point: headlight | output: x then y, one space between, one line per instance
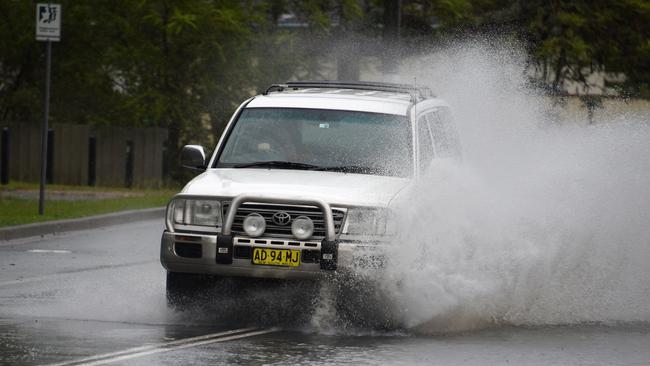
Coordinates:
367 221
195 212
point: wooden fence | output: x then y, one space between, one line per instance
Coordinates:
84 155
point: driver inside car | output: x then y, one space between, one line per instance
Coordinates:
277 141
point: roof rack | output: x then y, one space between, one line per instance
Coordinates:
416 92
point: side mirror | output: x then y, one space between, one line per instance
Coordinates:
193 157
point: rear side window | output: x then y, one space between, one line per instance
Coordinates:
445 137
425 152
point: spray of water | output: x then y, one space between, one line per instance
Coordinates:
546 221
543 222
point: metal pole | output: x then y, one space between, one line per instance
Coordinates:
41 198
4 156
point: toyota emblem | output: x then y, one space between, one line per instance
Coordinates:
281 218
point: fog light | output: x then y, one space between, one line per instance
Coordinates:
254 225
302 228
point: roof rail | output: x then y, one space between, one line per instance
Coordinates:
416 92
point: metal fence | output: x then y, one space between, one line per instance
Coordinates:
84 155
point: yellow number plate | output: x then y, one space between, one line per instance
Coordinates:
276 257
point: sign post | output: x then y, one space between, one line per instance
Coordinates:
48 29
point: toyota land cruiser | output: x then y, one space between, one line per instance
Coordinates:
300 183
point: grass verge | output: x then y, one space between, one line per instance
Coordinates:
17 211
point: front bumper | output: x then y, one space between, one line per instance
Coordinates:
197 253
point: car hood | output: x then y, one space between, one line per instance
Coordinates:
338 189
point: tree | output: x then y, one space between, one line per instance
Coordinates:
186 64
567 40
570 40
21 62
177 61
178 64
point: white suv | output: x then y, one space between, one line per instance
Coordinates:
301 181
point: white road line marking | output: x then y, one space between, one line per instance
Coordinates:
152 346
53 251
167 346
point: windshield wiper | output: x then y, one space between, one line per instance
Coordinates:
349 169
277 164
303 166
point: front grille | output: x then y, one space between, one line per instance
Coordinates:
272 229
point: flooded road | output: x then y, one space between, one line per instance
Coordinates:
97 297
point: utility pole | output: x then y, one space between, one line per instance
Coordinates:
48 29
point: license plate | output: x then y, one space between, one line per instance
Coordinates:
276 257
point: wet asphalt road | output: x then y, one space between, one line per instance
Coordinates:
97 297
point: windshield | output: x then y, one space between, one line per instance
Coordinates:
319 139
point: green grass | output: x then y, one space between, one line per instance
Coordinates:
16 211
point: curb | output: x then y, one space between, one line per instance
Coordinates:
83 223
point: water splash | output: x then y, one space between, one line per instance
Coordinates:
543 223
